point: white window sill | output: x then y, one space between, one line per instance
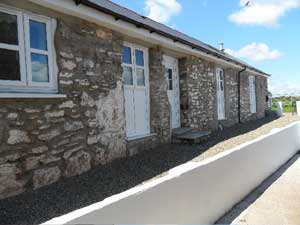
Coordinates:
133 138
30 95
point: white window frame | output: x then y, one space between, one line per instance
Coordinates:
19 48
26 84
134 66
252 94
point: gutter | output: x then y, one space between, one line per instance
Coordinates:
175 39
239 92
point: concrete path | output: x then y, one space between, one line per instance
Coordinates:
276 201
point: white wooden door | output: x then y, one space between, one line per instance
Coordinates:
252 94
172 77
136 90
220 94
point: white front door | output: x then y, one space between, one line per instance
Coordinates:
172 77
220 94
136 90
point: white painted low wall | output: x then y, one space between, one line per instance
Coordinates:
298 108
196 193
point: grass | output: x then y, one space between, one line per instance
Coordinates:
287 102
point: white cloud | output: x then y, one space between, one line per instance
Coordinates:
162 10
284 87
263 12
256 52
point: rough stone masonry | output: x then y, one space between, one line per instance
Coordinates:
44 140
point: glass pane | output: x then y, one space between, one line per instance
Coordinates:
126 55
39 68
38 35
221 85
221 75
140 77
170 74
170 85
9 65
8 29
127 75
139 55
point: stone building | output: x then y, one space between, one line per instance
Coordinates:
85 82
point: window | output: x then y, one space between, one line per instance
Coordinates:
252 94
133 66
170 79
26 52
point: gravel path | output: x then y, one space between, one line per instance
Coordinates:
73 193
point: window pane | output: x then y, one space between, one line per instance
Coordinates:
126 55
140 77
9 65
221 85
170 85
170 74
8 29
127 75
139 55
38 35
39 67
221 75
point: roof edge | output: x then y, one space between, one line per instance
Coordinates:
138 24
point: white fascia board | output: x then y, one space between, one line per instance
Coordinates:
87 13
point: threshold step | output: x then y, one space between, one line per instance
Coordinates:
180 131
194 136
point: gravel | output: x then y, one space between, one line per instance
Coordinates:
35 207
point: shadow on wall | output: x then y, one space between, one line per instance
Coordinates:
38 206
253 196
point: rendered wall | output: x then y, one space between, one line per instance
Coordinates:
196 192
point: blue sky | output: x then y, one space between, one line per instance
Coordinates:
265 33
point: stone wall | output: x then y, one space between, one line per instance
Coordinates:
44 140
197 93
261 93
198 96
159 102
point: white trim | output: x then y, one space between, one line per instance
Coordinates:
26 84
30 95
95 16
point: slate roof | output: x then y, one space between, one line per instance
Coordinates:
122 13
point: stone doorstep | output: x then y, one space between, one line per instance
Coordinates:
190 135
180 131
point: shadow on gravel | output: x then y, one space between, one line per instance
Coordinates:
239 208
38 206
